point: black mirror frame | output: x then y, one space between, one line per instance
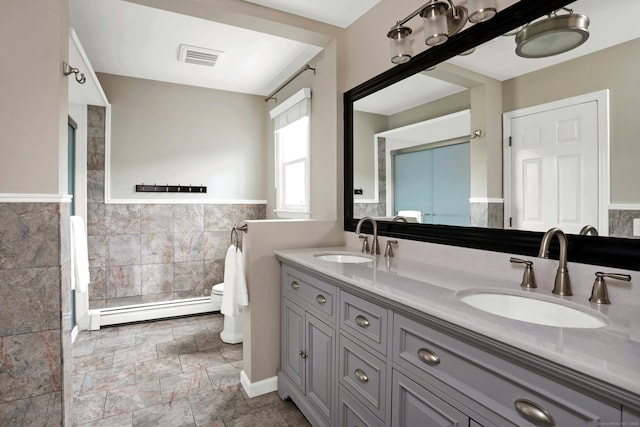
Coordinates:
604 251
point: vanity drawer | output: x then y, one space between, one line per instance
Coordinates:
364 375
414 405
490 380
315 295
352 413
364 320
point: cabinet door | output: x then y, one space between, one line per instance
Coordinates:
415 406
293 343
320 369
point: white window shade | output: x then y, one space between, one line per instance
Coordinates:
294 108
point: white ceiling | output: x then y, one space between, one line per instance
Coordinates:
129 39
340 13
405 94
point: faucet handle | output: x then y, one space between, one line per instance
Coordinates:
365 244
528 278
388 250
599 293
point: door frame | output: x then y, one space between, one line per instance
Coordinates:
602 106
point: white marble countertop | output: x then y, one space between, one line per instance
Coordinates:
610 353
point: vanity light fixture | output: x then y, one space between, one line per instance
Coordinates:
552 35
400 44
481 10
441 19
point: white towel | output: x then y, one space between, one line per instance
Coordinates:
79 254
235 293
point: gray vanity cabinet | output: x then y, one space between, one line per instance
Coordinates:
308 346
350 358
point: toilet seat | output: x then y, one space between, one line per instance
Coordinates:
217 289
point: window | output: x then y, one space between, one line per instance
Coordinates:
291 129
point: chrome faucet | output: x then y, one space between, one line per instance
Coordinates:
375 247
562 285
588 229
399 218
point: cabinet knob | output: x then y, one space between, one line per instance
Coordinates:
428 357
362 321
295 285
361 376
321 299
303 354
534 412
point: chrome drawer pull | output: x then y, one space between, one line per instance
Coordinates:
428 357
534 412
321 299
361 376
295 285
362 321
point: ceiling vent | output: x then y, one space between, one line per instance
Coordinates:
199 55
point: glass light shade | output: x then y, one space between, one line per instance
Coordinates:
552 36
436 29
481 10
400 42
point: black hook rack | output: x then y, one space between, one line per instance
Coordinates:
145 188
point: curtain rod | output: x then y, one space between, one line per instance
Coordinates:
302 70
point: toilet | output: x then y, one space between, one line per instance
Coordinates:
232 329
216 296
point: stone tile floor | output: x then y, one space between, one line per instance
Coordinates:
173 372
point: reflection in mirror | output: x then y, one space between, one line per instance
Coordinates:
573 156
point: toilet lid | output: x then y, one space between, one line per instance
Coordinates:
217 289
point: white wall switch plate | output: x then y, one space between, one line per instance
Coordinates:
636 226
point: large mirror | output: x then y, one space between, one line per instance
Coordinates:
456 145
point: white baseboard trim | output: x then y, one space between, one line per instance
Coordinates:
151 311
259 387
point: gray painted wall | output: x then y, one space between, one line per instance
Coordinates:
167 133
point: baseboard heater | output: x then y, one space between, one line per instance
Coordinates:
150 311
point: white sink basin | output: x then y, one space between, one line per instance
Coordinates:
532 309
344 257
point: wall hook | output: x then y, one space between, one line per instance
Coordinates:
68 69
475 134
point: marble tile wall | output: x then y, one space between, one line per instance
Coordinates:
35 328
621 222
143 253
487 214
376 209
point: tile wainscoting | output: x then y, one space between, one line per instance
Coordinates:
142 253
35 306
